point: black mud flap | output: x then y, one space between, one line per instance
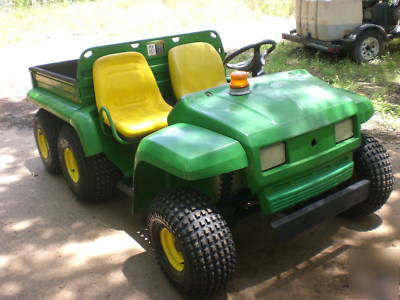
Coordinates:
319 211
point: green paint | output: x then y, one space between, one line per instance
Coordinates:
158 63
294 107
212 132
306 185
74 101
191 153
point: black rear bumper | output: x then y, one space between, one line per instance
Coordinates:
320 211
320 45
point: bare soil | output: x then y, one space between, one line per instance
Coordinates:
17 114
54 247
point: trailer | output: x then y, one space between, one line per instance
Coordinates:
360 28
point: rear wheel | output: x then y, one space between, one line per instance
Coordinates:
372 162
192 243
368 46
93 178
45 129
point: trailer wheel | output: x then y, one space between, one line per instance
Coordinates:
368 46
191 241
45 129
92 179
372 162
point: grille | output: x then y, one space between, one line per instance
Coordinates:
307 186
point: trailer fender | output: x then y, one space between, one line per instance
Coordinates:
351 38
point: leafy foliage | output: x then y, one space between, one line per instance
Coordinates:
281 8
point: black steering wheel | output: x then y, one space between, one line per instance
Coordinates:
254 64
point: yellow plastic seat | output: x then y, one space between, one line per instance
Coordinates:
125 85
195 67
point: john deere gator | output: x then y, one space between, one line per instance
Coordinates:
161 120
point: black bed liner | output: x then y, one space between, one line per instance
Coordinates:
65 70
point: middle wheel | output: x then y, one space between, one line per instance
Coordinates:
192 242
92 179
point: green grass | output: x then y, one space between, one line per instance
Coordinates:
283 8
379 80
23 21
280 8
30 3
117 17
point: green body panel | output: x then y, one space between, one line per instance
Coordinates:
86 123
292 107
191 153
158 63
211 132
149 181
306 185
183 156
82 119
73 101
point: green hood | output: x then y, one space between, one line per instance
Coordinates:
280 106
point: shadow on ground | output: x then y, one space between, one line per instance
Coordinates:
17 114
54 247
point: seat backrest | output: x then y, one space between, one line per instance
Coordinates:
194 67
124 79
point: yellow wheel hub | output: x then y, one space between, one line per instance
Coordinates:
175 257
42 143
71 164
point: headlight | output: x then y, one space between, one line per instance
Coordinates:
272 156
344 130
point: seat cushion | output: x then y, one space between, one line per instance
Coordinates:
146 120
195 67
126 86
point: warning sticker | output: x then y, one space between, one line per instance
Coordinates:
155 48
151 49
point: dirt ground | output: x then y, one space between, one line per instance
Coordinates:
54 247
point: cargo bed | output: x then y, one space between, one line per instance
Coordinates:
58 78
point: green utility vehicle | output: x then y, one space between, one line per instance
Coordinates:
160 120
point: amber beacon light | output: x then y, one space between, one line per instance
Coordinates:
239 84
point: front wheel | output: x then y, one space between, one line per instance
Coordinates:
192 243
368 46
372 162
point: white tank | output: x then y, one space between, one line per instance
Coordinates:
328 20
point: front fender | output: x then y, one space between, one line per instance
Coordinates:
191 152
364 105
360 29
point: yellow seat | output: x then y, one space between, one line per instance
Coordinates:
195 67
125 85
